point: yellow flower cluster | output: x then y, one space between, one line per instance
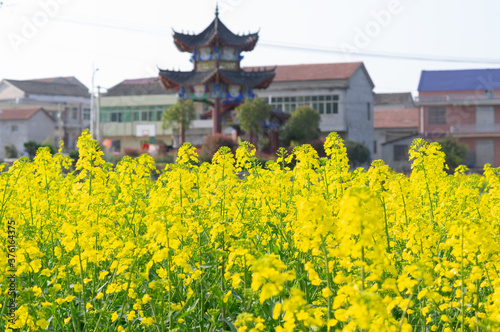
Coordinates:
300 244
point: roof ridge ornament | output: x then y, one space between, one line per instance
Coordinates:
217 9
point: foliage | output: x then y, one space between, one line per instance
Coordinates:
357 153
251 114
455 152
74 155
213 143
10 151
302 127
31 147
235 246
179 115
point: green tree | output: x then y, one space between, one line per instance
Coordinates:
302 127
179 116
251 114
357 153
455 152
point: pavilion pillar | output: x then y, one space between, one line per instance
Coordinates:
216 126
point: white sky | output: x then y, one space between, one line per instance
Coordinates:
131 39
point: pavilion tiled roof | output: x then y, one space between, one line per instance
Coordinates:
396 118
20 113
137 87
256 79
51 87
313 72
216 34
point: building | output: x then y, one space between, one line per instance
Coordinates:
131 112
464 104
21 125
395 117
66 99
395 152
341 92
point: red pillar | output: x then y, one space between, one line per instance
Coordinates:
216 127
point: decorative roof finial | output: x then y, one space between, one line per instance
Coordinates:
217 9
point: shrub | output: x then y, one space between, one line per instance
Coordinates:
213 143
357 153
31 147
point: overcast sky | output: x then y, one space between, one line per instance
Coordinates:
396 39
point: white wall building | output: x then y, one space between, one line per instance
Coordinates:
65 98
340 92
21 125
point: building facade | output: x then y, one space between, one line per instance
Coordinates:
464 104
21 125
66 99
342 93
395 118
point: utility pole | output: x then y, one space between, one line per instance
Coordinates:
92 113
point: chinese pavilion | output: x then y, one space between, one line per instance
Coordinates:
216 76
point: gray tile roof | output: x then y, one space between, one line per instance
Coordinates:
403 98
53 87
216 32
139 87
256 79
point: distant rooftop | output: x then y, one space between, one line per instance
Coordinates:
20 113
54 86
396 118
138 87
403 98
313 72
459 80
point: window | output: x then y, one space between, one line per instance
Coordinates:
130 114
74 113
14 128
325 104
116 117
400 152
86 114
437 115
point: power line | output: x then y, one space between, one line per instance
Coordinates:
321 49
88 20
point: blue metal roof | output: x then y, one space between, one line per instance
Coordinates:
457 80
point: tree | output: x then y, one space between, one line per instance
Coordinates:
357 153
251 114
455 152
302 127
181 114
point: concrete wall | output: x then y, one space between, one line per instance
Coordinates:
358 105
329 122
17 138
147 100
9 92
388 154
382 135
